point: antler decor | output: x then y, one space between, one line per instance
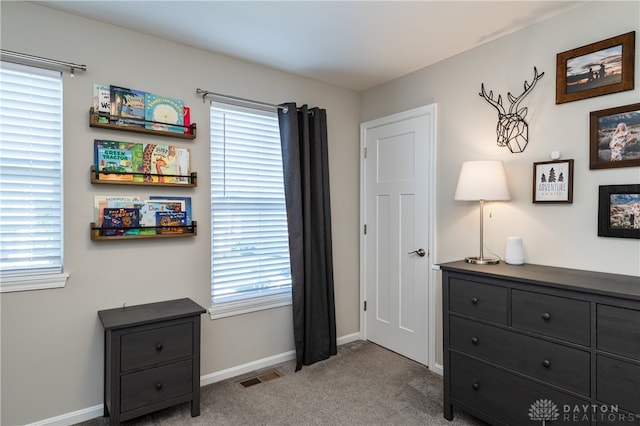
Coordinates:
512 129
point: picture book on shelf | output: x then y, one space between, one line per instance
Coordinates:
102 102
187 204
117 220
101 202
166 164
161 112
149 208
171 222
115 164
136 157
187 120
127 106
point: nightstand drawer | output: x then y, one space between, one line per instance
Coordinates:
504 395
619 331
618 383
555 364
155 385
553 316
151 347
485 301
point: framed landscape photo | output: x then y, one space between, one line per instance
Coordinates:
619 211
614 137
553 181
596 69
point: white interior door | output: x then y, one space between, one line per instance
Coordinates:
396 213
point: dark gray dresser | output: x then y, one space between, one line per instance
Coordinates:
532 344
152 358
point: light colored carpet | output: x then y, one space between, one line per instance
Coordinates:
364 384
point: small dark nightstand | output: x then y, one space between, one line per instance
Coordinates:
152 358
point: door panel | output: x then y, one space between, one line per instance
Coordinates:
396 182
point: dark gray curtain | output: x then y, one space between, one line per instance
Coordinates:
306 180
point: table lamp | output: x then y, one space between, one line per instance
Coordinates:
482 181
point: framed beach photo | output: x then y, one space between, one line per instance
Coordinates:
553 181
614 137
596 69
619 211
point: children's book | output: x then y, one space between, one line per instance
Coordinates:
187 205
187 120
102 102
117 221
149 209
101 202
136 150
127 106
161 112
166 163
171 222
115 164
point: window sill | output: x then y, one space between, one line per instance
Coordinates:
239 307
33 282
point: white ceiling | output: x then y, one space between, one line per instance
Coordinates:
352 44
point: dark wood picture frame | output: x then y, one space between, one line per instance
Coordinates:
596 69
614 137
553 181
619 211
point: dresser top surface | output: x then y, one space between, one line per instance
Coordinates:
151 312
625 286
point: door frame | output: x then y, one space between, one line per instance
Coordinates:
429 112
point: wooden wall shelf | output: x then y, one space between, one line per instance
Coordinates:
96 231
95 178
94 122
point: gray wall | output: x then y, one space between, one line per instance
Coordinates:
51 340
559 235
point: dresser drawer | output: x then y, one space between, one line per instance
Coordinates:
151 347
556 364
157 384
618 331
504 395
553 316
618 383
485 301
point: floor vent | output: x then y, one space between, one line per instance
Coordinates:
260 378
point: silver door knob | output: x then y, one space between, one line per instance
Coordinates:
420 252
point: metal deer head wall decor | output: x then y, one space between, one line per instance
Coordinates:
512 129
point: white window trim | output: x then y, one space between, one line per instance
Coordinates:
33 282
254 304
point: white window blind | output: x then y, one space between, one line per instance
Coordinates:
250 267
30 172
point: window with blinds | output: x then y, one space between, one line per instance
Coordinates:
250 267
30 172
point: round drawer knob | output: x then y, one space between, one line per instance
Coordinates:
474 300
476 386
546 316
474 340
159 386
546 363
159 347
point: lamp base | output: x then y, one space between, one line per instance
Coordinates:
482 260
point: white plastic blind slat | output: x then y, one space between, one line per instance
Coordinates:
30 170
249 235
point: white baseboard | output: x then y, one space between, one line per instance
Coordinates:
72 418
98 410
437 368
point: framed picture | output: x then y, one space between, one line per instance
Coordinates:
596 69
614 137
553 181
619 211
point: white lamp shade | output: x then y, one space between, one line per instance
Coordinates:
482 180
